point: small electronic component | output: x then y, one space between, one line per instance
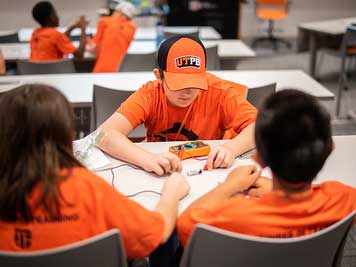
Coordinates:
194 172
190 149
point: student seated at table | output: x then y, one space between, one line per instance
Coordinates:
2 64
48 196
47 43
184 103
293 138
113 37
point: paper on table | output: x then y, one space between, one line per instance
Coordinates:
88 154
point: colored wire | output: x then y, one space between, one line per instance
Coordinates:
111 169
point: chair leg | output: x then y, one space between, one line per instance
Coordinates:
341 86
271 38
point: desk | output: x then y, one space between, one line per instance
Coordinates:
340 167
315 35
229 51
78 88
142 33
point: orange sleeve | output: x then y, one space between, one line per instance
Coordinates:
137 107
238 112
141 230
64 44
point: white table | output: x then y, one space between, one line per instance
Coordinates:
327 33
340 167
78 87
142 33
229 51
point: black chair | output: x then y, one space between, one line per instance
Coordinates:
138 62
212 58
9 38
213 247
255 95
106 101
102 250
168 34
47 67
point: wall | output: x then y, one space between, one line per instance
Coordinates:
16 14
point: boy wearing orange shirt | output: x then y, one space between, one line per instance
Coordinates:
113 38
293 138
47 43
184 103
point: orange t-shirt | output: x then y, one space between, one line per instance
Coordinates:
223 106
112 39
48 44
91 207
275 215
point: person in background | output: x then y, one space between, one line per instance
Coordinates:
47 195
113 37
293 138
47 43
2 64
185 102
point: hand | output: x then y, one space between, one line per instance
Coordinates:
220 157
162 163
177 185
82 23
90 46
262 186
242 178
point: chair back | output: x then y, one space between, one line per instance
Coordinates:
255 95
102 250
272 2
47 67
9 38
212 58
168 34
106 101
138 62
213 247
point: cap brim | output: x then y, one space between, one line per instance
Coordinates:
178 81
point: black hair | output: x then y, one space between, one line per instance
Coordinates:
163 49
42 11
293 135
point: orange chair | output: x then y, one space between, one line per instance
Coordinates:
271 10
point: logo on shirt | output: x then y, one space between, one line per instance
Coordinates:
187 61
170 134
23 238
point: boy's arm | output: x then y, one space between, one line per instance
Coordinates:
223 156
82 24
238 180
115 143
